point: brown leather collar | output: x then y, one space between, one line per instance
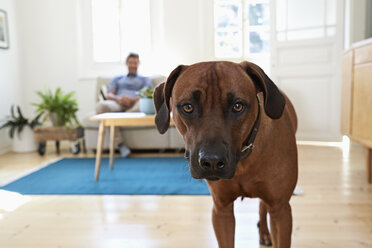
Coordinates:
248 146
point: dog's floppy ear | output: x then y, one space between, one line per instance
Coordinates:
162 95
162 113
274 100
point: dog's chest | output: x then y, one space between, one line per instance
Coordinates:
248 187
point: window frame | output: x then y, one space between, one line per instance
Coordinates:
245 29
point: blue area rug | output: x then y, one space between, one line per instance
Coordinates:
130 176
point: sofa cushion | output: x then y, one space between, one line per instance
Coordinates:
87 123
103 93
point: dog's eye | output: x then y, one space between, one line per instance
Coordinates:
238 107
188 108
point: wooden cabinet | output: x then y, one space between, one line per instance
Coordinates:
356 105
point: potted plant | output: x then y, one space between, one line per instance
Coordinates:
21 130
60 108
146 102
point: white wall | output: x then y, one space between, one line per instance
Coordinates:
10 89
181 31
48 35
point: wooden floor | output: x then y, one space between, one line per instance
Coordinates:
335 210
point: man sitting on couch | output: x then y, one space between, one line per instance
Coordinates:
122 95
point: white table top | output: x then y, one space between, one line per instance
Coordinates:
120 115
126 119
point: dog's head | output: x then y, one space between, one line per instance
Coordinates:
214 107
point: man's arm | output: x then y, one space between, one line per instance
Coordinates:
128 101
112 90
123 100
111 95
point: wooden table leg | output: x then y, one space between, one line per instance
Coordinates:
112 138
369 165
57 147
84 146
101 134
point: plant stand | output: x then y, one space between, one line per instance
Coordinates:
44 134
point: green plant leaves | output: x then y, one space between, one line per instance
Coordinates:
35 122
16 121
63 105
11 131
147 92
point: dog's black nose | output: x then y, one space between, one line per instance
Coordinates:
211 161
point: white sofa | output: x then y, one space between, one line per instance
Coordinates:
136 138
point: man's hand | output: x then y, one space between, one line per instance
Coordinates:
127 101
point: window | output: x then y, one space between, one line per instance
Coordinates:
303 19
242 28
120 27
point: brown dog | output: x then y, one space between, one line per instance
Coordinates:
221 109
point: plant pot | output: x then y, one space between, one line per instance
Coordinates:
25 141
55 119
146 106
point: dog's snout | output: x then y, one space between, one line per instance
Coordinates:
211 161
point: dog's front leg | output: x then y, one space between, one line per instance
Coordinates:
281 225
224 224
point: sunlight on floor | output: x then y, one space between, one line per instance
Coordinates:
345 148
344 145
10 201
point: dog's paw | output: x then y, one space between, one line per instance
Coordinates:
266 240
265 237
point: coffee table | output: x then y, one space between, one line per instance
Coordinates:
113 120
